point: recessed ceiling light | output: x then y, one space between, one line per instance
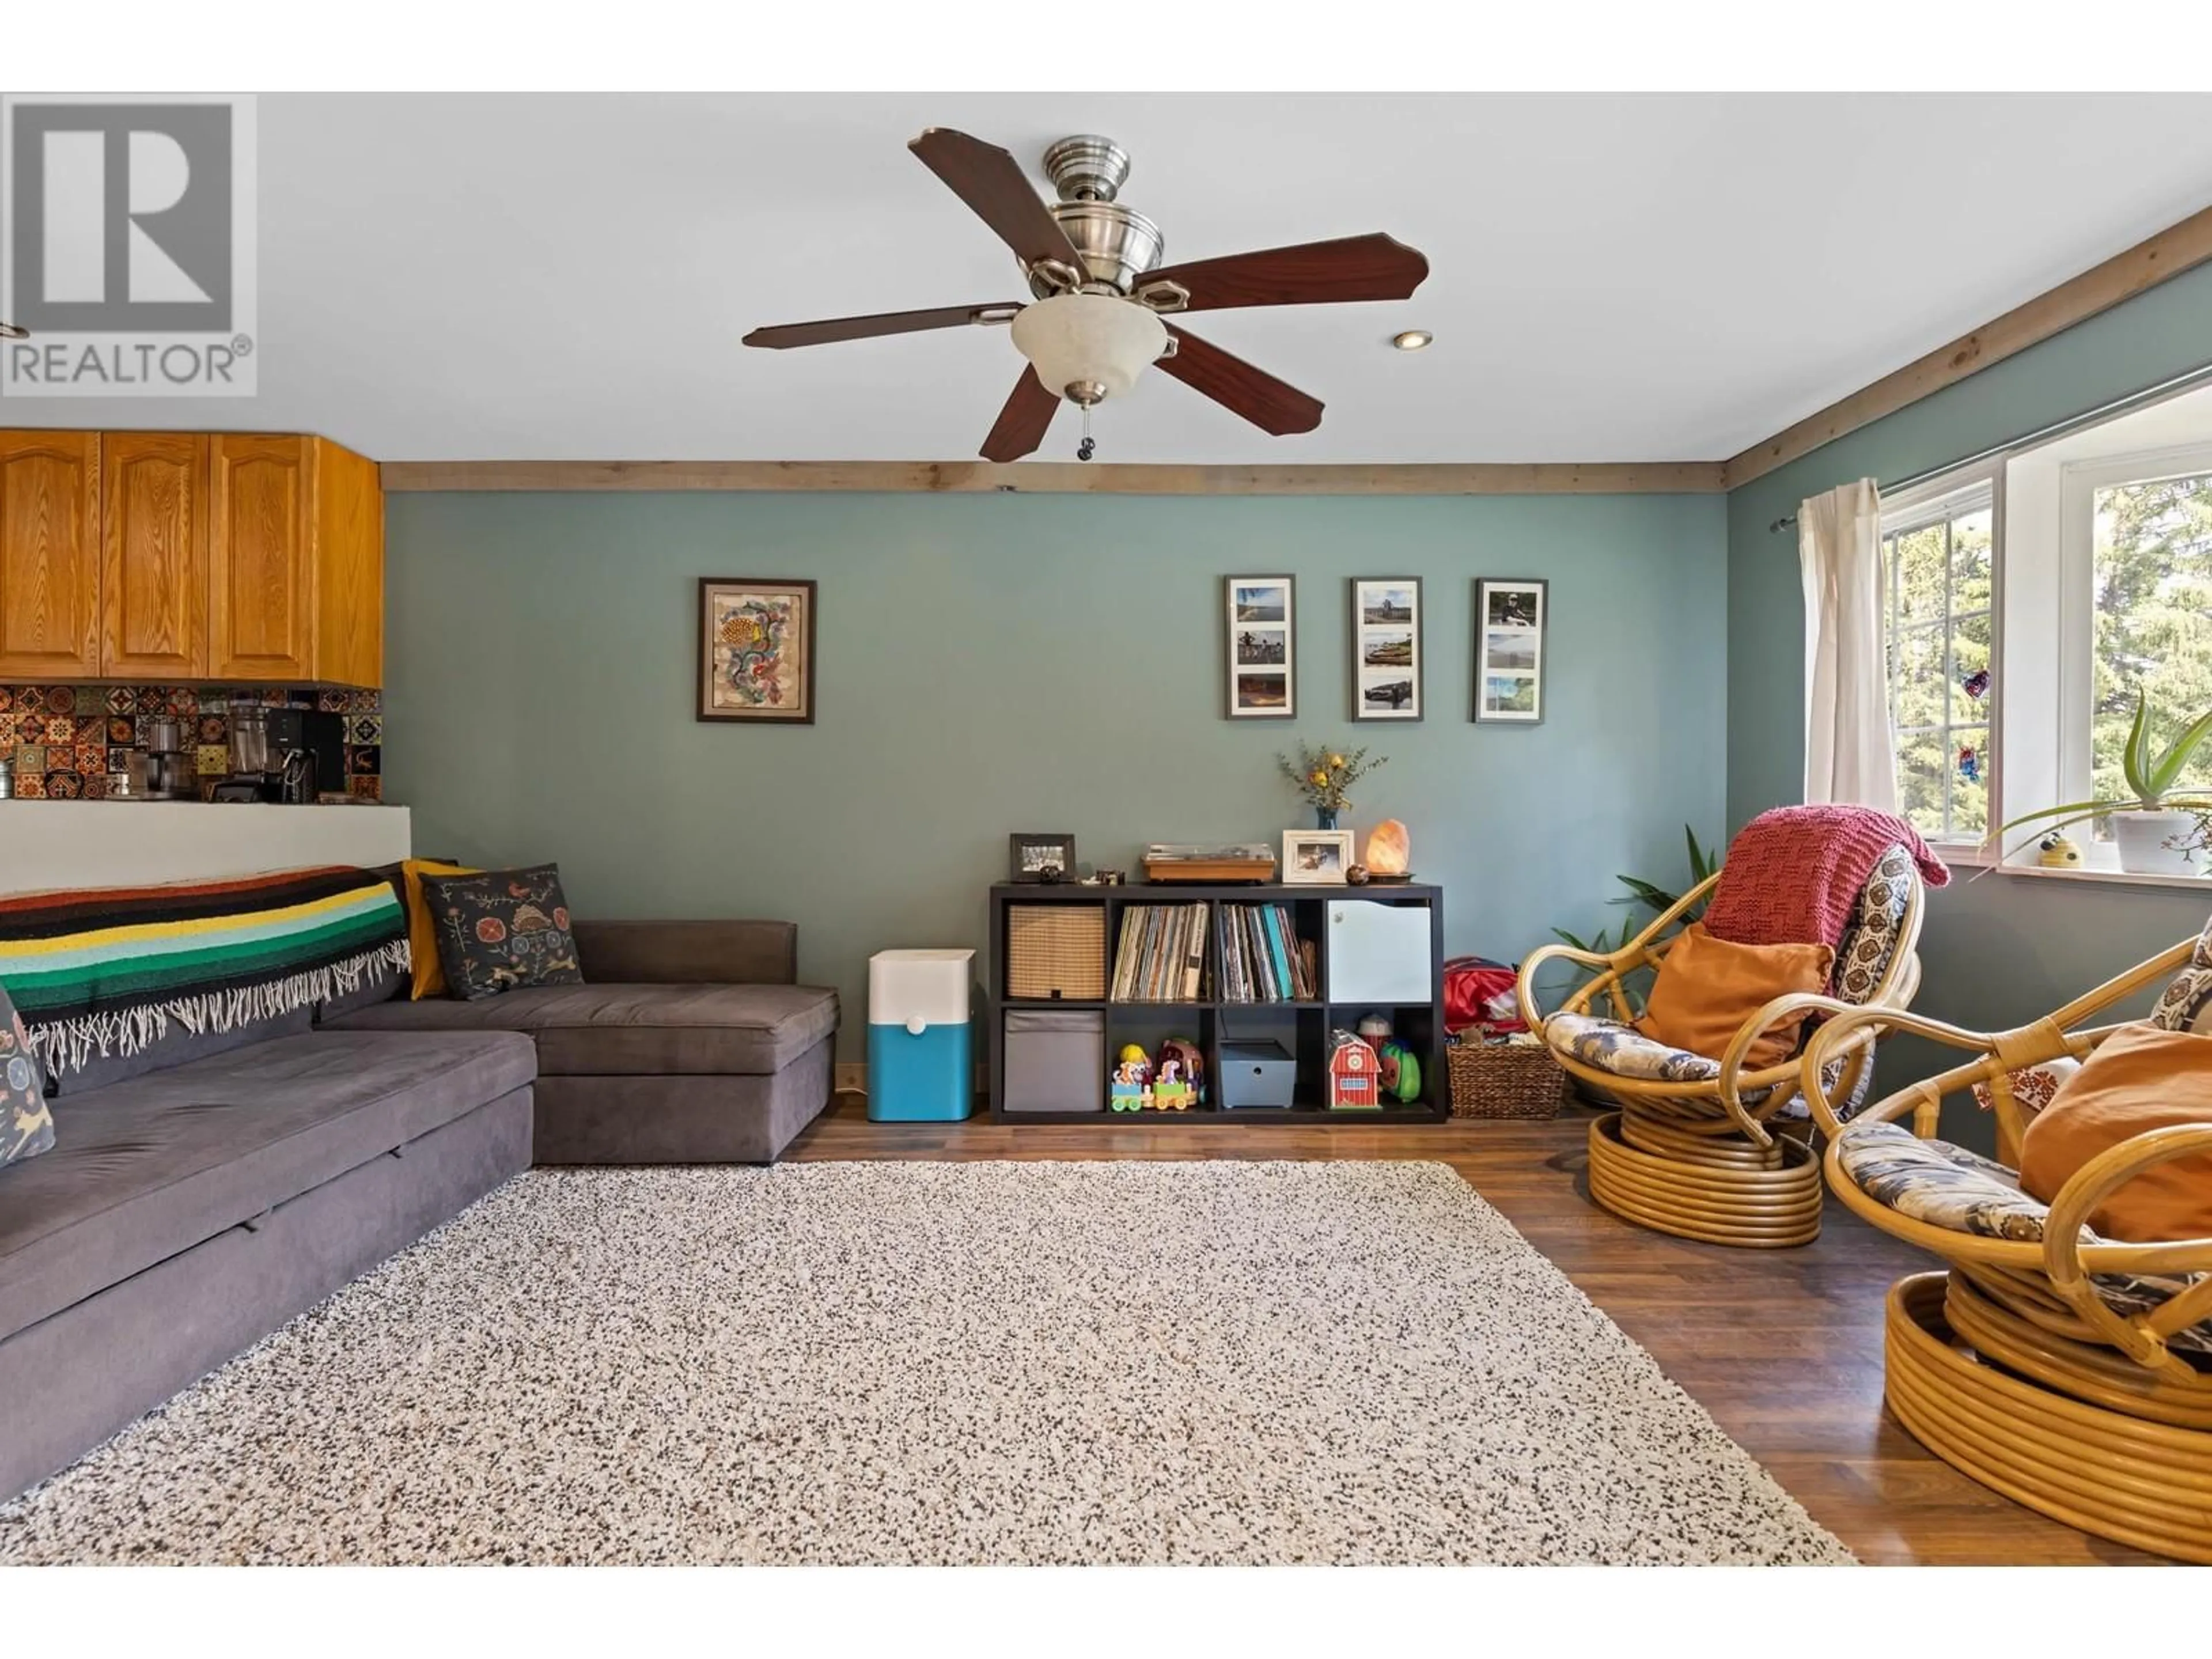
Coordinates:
1412 339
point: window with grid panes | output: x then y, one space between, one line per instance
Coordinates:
2148 614
1937 588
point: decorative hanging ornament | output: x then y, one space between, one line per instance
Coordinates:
1970 764
1977 683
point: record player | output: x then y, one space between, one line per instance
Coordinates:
1208 861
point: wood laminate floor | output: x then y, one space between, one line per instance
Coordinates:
1782 1347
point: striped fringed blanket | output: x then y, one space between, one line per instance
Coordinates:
103 970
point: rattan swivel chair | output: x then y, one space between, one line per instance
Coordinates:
2070 1373
1702 1147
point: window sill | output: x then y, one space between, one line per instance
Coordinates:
2123 877
1965 854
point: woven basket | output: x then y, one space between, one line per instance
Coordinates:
1506 1080
1056 950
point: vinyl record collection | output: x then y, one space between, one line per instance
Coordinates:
1262 957
1162 955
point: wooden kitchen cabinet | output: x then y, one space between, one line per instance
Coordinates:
261 577
49 555
348 544
225 557
296 564
154 566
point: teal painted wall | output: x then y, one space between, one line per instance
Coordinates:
996 663
2001 949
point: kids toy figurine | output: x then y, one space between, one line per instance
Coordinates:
1191 1065
1131 1088
1353 1074
1170 1092
1400 1069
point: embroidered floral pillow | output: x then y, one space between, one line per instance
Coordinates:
2186 1004
502 930
2032 1086
26 1126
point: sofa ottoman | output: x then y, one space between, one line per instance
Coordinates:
184 1213
689 1042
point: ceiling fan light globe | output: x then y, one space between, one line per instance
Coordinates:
1095 341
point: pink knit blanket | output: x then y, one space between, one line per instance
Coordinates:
1793 874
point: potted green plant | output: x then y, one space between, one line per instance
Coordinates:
1704 862
2158 832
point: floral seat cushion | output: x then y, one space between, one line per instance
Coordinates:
1961 1191
1936 1183
1610 1046
1624 1051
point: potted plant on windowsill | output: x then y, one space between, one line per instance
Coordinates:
2158 832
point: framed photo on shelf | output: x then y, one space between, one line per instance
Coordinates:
1030 857
1260 656
1386 648
1316 858
756 650
1510 618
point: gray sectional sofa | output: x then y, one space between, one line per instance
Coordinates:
689 1042
184 1213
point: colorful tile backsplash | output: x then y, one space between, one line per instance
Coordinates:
67 740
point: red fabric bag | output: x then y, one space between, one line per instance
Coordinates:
1480 994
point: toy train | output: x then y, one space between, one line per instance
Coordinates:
1176 1084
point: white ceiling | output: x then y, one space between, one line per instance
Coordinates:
1613 277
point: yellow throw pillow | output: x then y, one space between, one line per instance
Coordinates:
1708 987
2137 1079
421 932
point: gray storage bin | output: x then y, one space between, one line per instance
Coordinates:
1056 1060
1257 1075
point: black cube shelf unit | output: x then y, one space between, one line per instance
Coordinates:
1304 1028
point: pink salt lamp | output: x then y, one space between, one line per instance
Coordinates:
1387 849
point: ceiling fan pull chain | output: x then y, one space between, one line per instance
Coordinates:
1087 448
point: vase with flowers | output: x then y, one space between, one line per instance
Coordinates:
1324 776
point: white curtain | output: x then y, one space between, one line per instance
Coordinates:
1849 755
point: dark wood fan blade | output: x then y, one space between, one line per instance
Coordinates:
991 182
1376 267
1272 405
784 335
1021 425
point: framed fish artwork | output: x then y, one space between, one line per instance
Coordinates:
756 650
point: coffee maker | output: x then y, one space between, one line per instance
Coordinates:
287 755
164 761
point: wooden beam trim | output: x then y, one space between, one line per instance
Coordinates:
2159 259
1071 477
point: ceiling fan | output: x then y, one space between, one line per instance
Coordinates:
1099 294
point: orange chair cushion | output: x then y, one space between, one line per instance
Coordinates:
2136 1080
1707 987
430 977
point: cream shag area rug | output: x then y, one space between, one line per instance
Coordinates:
1109 1361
